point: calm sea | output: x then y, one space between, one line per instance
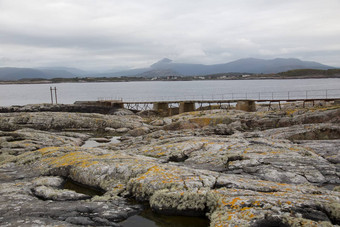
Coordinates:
167 90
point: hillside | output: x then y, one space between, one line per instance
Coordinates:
167 67
247 65
9 73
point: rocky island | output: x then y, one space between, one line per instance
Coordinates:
277 167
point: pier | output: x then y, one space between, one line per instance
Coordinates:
239 101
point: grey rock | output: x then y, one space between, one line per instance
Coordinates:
108 129
157 123
122 130
223 129
139 131
16 196
102 140
259 175
47 193
122 112
80 220
50 181
62 121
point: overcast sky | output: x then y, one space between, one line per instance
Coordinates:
106 34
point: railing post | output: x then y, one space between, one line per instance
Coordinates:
288 95
306 94
272 95
326 93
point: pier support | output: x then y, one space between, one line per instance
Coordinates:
186 107
246 105
162 107
117 105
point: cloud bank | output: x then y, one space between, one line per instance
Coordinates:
92 34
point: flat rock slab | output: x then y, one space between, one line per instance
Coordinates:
16 196
173 189
237 168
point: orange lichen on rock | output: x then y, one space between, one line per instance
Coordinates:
48 150
72 159
160 174
202 122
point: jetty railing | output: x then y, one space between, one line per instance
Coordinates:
256 96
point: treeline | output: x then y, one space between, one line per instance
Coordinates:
311 72
298 74
96 79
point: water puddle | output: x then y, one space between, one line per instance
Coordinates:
80 188
93 143
147 218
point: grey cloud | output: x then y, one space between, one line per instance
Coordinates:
111 33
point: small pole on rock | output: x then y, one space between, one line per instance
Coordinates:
55 93
51 95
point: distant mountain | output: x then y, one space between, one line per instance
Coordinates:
159 73
253 65
9 73
131 72
73 71
166 67
246 65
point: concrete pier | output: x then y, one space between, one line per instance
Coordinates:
186 107
162 107
246 105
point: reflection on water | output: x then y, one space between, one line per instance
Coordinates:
147 218
92 143
77 187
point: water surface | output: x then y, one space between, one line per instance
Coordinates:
21 94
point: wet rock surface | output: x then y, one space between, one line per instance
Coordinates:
25 203
238 169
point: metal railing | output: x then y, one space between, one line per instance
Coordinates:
257 96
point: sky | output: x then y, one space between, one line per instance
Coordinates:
117 34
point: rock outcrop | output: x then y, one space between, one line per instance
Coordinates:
66 121
270 168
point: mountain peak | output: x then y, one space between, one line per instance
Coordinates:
162 62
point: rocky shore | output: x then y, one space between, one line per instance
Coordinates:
264 168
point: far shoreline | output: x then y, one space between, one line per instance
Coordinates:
117 79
